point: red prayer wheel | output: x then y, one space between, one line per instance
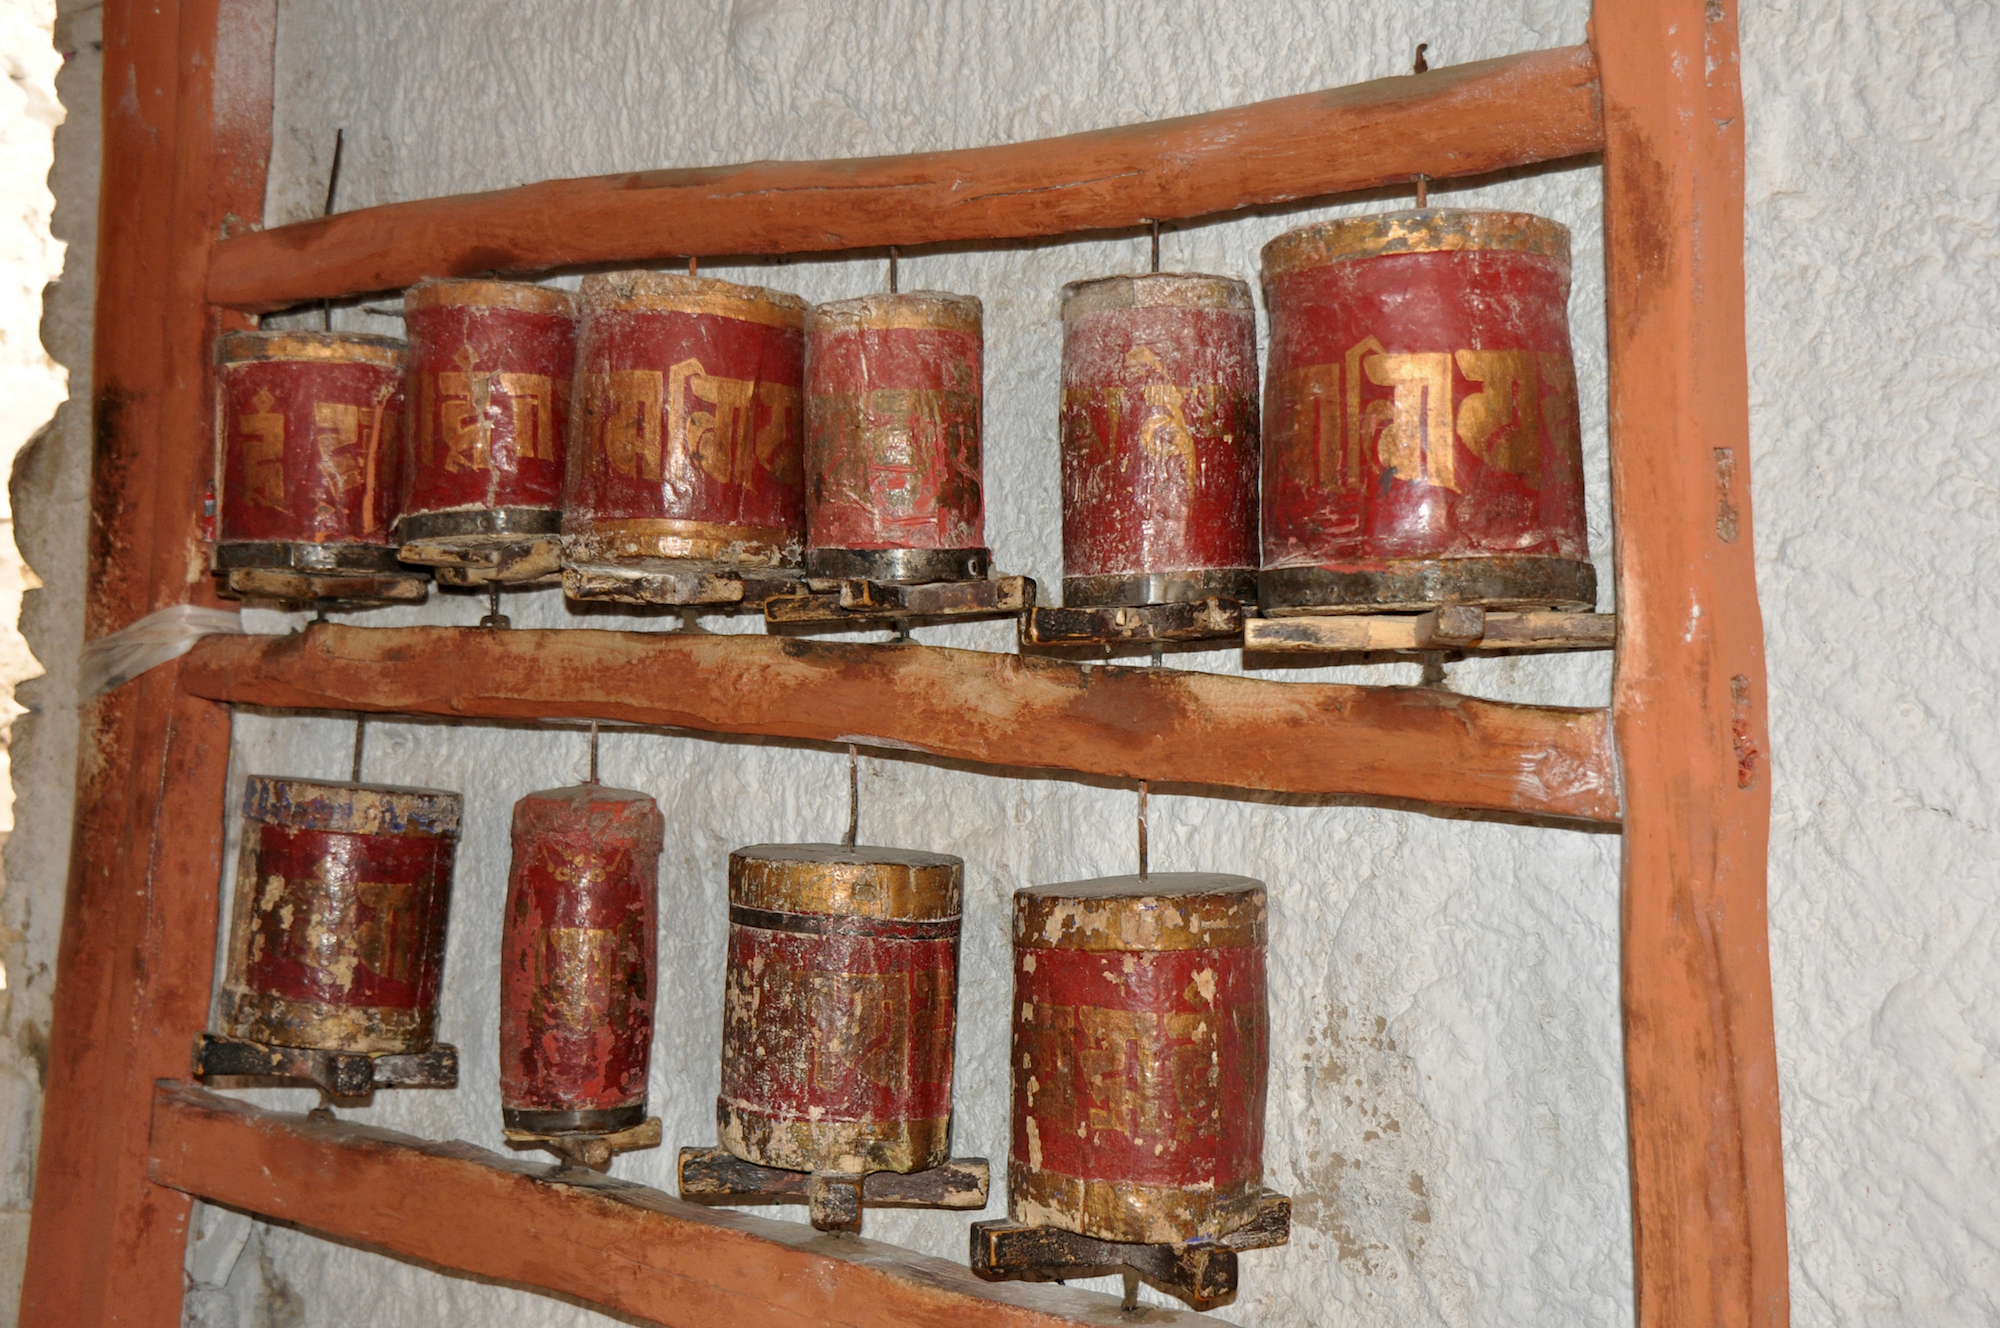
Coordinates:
894 490
577 954
309 437
686 442
839 1007
1159 440
489 381
342 893
1139 1056
1420 420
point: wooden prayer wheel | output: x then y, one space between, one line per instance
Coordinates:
1159 440
1139 1056
577 955
1420 422
309 437
895 491
342 892
686 443
489 383
839 1007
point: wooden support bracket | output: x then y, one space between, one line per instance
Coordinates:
1454 627
1219 620
342 1074
858 603
717 1176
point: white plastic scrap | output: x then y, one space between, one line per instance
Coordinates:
114 660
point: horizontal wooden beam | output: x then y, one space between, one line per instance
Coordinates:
633 1250
1459 121
1404 745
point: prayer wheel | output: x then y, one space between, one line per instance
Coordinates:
839 1008
309 436
894 483
1139 1057
1159 441
577 954
489 384
1420 422
342 892
686 443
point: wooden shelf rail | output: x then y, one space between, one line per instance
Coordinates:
630 1249
1464 120
1406 745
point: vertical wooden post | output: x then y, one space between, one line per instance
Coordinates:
187 127
1688 700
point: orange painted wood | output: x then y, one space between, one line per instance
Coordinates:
1405 745
133 969
633 1250
1689 695
1464 120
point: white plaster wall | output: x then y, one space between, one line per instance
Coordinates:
1446 1105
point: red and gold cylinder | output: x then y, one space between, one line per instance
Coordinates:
1159 440
309 440
490 368
839 1007
1139 1056
577 956
895 489
1420 418
686 442
337 936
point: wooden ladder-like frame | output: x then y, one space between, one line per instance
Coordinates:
1677 761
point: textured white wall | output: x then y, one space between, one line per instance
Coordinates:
1446 1106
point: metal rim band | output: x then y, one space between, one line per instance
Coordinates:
923 311
478 293
327 347
1121 590
471 521
825 924
1429 231
1155 290
678 293
1417 584
594 1120
910 567
299 556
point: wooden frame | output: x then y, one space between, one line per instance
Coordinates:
1656 90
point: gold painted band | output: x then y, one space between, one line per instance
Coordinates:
771 1139
936 311
1130 1211
1432 230
476 294
678 293
1155 290
319 347
276 1021
587 541
1162 911
831 879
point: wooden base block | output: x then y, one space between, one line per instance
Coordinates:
663 581
866 603
590 1151
1201 1272
1451 628
289 589
1199 620
717 1176
348 1074
511 562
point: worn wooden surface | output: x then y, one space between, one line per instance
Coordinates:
1406 745
187 122
629 1249
1700 1060
1465 120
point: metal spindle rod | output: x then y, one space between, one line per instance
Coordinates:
853 795
1142 830
593 751
360 736
892 269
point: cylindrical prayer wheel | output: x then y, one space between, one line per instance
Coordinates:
342 892
1159 440
686 440
1420 416
894 486
839 1007
1139 1056
489 383
309 440
577 961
